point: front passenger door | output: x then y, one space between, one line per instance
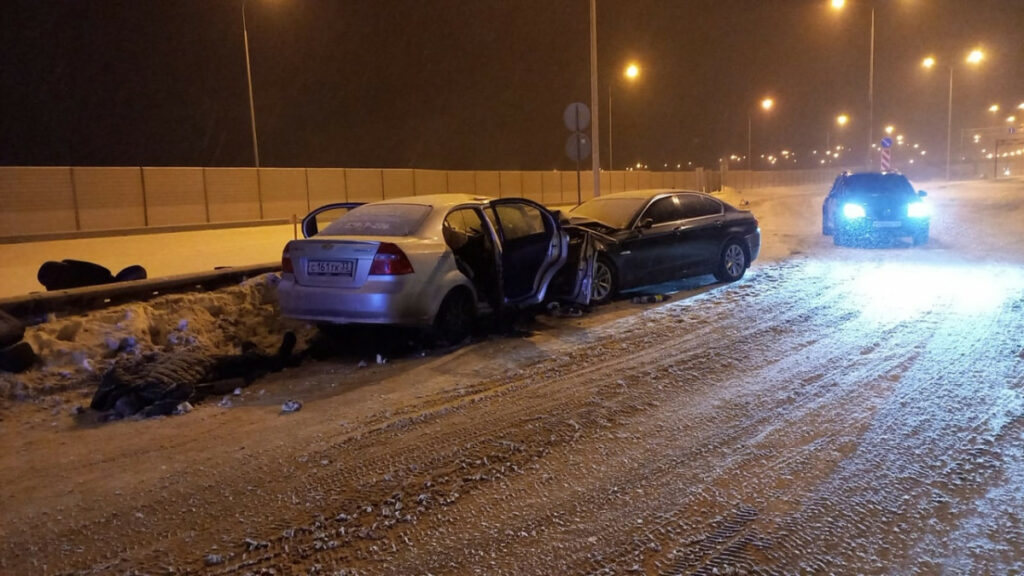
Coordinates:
655 249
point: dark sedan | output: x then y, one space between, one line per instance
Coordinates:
649 236
874 207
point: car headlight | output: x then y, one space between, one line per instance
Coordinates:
918 210
853 211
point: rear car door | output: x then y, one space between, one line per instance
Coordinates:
533 247
700 234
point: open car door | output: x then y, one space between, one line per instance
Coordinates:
571 283
533 247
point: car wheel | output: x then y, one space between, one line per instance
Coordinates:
732 264
920 238
605 282
825 229
838 237
454 320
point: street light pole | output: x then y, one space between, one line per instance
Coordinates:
871 94
974 57
750 131
949 122
632 72
595 132
611 162
766 105
248 76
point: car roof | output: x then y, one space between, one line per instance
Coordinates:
648 193
437 200
874 176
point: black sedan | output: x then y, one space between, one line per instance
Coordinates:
874 207
649 236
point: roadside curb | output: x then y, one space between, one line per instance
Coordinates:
33 308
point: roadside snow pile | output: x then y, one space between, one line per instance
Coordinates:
74 352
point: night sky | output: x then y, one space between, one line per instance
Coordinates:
481 84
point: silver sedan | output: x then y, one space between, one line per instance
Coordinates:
437 261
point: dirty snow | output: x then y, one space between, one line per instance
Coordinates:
75 350
840 410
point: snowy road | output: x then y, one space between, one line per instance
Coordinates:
843 411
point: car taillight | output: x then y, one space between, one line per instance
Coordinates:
286 262
390 261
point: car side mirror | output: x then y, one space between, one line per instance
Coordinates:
647 223
922 193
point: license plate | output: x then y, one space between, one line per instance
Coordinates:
888 224
330 267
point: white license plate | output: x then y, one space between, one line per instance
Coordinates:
888 224
330 267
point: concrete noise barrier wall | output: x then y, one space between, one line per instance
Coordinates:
86 199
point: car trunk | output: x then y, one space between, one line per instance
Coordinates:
324 262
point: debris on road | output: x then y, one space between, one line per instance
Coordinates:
156 384
650 298
291 406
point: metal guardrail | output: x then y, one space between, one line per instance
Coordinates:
35 307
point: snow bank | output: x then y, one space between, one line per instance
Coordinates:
74 351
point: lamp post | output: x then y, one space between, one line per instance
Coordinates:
631 73
766 105
975 57
838 5
248 76
841 121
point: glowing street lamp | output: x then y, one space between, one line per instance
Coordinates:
631 73
993 108
889 129
842 119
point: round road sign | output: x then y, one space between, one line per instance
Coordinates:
577 147
577 117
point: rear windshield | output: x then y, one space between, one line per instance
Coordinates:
615 212
379 220
893 184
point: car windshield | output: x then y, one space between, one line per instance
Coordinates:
615 212
379 220
887 184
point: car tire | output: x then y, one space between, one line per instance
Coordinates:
732 263
825 229
839 238
920 238
454 320
605 283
